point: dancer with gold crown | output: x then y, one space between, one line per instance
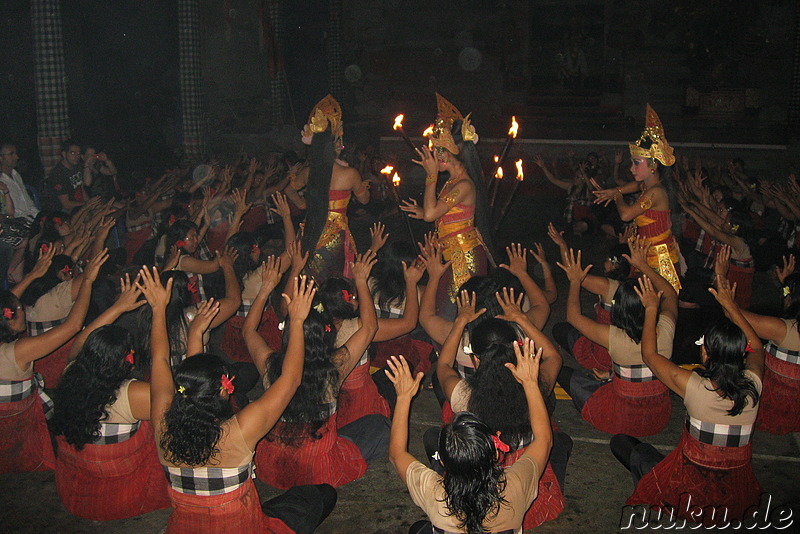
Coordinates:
651 159
330 185
459 210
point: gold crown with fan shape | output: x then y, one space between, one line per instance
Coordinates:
327 111
446 115
653 132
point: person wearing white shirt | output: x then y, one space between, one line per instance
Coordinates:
23 204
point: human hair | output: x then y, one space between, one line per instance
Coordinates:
792 310
177 232
8 300
331 295
89 385
322 155
496 397
486 289
468 156
193 422
473 481
174 214
243 243
67 143
387 275
310 407
177 325
44 284
622 267
725 345
627 312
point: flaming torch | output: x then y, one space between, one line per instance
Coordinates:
517 182
398 125
428 133
512 134
396 180
395 184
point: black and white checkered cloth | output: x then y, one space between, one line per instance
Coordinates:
37 328
190 76
389 313
789 356
743 264
17 390
244 309
111 433
719 435
333 45
603 304
634 373
208 481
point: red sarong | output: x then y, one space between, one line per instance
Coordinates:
254 219
416 352
712 476
134 241
114 481
359 397
777 408
743 278
329 460
549 502
24 439
237 511
52 366
633 408
590 355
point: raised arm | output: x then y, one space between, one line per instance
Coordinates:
233 293
46 254
392 328
550 291
725 293
406 386
447 375
539 160
435 326
256 346
518 266
360 340
638 259
591 329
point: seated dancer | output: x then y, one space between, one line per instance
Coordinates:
651 158
24 439
711 466
206 451
107 465
634 402
330 185
305 447
475 494
459 211
494 397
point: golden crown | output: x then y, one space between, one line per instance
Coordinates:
327 111
446 115
653 132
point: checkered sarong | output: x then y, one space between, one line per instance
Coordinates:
244 309
37 328
743 264
391 313
789 356
17 390
111 433
137 227
719 435
634 373
208 481
605 305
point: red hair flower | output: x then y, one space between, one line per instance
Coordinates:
45 247
327 328
255 247
347 296
67 270
180 243
227 385
192 287
499 445
8 313
57 187
129 356
748 347
57 221
172 220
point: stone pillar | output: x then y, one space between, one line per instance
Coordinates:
52 110
190 78
277 72
334 52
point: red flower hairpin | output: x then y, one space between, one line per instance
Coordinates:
748 347
57 221
45 247
227 385
347 296
8 313
129 356
255 247
180 243
172 220
67 270
327 328
192 287
499 445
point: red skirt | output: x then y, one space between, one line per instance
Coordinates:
215 237
134 241
633 408
712 476
237 511
253 219
24 439
232 341
329 460
777 407
359 397
549 502
602 315
114 481
591 355
52 366
743 277
416 352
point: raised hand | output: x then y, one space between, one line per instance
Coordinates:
271 272
538 253
517 260
787 269
638 256
431 257
647 294
281 206
411 207
427 161
129 293
45 260
572 266
379 236
511 305
363 265
93 267
295 252
466 306
557 238
722 260
300 303
724 292
399 374
526 370
206 312
157 294
228 256
413 273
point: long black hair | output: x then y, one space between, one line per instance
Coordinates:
44 284
177 325
177 232
473 480
627 312
8 301
243 243
792 311
322 155
468 156
332 296
725 346
90 384
387 276
496 397
193 422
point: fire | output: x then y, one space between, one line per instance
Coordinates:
520 174
514 127
396 179
499 173
496 158
398 122
428 131
387 170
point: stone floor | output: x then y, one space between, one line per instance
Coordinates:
596 487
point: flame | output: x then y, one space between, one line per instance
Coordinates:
496 158
398 122
520 174
430 144
514 127
387 170
428 131
499 173
396 179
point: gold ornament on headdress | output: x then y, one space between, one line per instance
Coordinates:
654 132
327 111
446 115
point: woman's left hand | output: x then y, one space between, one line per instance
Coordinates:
466 306
399 374
517 260
511 305
528 358
427 161
411 207
648 295
363 266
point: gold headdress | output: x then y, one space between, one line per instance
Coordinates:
654 132
446 115
326 111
